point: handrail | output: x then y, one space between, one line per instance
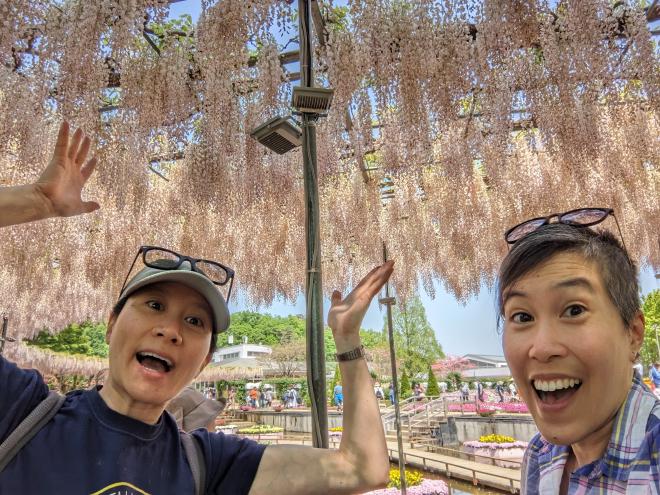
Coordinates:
474 470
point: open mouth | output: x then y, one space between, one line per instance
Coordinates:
553 391
154 362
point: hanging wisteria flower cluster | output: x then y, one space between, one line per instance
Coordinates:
452 120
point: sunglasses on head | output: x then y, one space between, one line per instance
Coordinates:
581 217
165 259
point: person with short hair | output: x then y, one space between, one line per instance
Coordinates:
465 392
572 326
654 374
338 395
161 334
499 388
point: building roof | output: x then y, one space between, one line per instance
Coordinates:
239 363
502 372
490 358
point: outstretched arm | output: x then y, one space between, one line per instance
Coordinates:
361 463
58 190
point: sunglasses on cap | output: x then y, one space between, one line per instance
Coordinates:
581 217
165 259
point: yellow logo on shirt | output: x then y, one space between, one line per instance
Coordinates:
120 489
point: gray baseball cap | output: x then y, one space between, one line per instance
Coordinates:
184 275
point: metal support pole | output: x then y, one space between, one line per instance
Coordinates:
389 301
314 295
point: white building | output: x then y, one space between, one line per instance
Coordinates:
232 353
486 360
486 366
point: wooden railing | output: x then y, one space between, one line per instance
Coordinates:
425 464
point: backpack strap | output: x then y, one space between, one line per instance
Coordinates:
195 457
29 427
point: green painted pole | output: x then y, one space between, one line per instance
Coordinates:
314 294
389 301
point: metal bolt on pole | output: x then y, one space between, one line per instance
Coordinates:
388 301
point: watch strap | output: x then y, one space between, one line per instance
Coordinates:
356 353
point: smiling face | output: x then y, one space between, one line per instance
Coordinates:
158 343
568 348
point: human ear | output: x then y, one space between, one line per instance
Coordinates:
636 330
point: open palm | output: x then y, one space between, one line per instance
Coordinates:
62 181
345 316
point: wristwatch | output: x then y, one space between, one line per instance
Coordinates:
356 353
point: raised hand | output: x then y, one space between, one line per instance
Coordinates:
346 314
62 181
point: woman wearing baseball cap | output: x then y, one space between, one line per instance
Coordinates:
161 334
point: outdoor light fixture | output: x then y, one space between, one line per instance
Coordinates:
312 100
278 134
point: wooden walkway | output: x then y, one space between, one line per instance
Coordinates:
475 472
452 467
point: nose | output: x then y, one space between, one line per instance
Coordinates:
546 343
170 330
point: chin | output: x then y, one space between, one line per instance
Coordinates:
559 435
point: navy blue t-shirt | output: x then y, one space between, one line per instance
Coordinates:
89 449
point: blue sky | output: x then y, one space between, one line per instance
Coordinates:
460 328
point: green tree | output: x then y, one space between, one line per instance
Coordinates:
454 380
262 328
432 387
651 309
86 339
414 339
404 385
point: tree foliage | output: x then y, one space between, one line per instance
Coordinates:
432 388
451 363
379 362
454 380
262 328
287 358
651 309
404 385
86 338
414 339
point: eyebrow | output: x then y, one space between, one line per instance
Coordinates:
576 282
571 282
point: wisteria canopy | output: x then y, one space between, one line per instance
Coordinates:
469 115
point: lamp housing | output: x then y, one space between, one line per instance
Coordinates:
279 134
312 100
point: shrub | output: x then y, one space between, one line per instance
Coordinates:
432 387
406 389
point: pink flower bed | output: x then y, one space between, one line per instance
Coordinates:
507 407
426 487
508 454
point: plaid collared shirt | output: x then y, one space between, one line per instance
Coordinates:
629 466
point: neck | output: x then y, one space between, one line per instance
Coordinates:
593 446
120 403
